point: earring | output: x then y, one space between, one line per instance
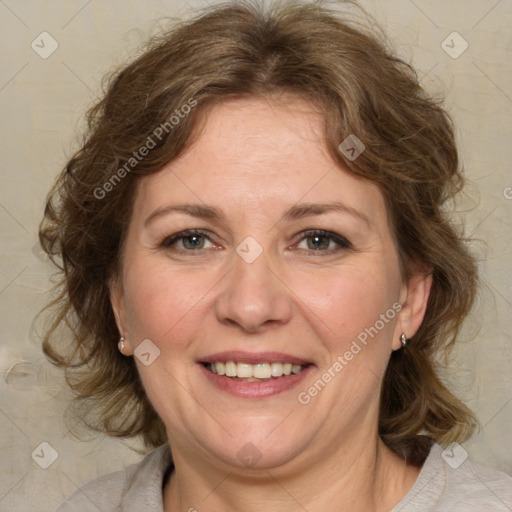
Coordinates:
403 339
120 345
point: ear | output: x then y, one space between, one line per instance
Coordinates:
116 294
413 297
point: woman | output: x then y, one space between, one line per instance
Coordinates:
259 274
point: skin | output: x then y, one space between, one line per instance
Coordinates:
254 160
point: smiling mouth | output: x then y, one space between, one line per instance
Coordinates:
259 372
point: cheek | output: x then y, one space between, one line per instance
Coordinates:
354 319
352 303
162 302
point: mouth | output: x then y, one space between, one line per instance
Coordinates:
259 372
251 375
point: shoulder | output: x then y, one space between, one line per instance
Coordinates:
449 481
471 484
134 488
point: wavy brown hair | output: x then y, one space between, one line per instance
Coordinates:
342 63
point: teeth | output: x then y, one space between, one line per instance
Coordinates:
276 369
254 371
244 371
262 371
231 369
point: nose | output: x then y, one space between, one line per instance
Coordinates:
253 297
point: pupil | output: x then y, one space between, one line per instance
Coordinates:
193 242
319 242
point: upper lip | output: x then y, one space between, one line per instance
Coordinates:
253 358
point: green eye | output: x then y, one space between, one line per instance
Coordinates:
323 241
188 241
193 242
318 242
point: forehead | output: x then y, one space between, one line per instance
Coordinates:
260 152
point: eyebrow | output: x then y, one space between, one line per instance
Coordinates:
195 210
294 213
310 209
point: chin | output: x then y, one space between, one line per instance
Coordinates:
257 444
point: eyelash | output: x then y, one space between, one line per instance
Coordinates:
341 241
170 241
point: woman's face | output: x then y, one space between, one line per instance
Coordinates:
251 253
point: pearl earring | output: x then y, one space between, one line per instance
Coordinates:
120 345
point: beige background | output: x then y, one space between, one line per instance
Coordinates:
42 102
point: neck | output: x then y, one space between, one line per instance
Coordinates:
359 477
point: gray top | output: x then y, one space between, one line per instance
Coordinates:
465 487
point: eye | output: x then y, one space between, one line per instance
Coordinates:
190 240
322 241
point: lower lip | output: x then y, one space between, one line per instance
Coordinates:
261 389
